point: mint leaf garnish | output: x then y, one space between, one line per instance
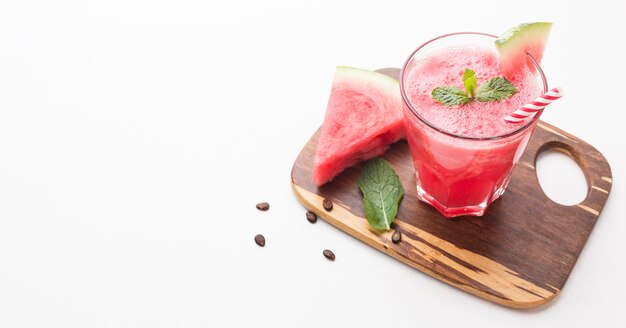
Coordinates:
495 89
450 96
469 81
382 192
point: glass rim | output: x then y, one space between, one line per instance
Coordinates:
433 126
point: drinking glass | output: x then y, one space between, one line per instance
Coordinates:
458 174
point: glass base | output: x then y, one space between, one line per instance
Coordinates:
450 212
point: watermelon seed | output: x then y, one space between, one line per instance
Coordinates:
328 204
396 237
311 217
263 206
329 254
259 240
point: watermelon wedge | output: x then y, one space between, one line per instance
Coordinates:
513 45
363 117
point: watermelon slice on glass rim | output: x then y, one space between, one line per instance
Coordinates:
363 117
514 45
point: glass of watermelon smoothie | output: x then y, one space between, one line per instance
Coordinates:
464 154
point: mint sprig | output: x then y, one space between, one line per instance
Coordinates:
469 81
382 192
451 96
495 89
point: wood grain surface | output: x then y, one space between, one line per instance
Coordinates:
519 254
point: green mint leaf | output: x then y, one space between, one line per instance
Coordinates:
382 192
495 89
469 81
450 96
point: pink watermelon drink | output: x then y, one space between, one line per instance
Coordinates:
464 154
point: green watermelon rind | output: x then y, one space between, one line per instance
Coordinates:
385 82
522 32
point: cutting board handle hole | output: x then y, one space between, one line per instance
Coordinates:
560 175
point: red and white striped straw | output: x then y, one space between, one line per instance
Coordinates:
535 105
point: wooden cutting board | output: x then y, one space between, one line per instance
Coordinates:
519 254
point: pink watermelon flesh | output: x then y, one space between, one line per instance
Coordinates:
363 117
510 66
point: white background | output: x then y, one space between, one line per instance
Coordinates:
137 136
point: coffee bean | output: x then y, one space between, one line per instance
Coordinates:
263 206
259 240
311 217
328 204
329 254
396 237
